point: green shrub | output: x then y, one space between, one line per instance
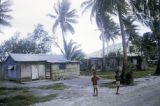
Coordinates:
129 78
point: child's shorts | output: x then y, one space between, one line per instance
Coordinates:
94 86
117 83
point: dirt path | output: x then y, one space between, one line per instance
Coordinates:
145 93
146 96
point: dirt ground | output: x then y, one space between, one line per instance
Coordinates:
145 92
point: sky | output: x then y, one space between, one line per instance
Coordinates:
28 13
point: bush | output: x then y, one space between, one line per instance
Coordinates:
129 78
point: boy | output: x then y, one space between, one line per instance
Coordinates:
117 77
94 80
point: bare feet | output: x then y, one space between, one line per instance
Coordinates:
95 95
117 93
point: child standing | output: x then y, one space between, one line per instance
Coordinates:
94 80
117 78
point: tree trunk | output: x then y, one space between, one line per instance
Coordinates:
124 46
103 52
157 72
157 19
64 45
139 63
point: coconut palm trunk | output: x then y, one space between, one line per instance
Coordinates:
64 45
157 72
103 52
124 45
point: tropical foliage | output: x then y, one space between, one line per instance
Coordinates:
120 8
109 29
4 13
148 12
71 51
41 38
131 29
65 18
149 46
34 43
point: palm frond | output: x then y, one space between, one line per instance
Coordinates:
52 16
4 23
72 13
86 5
4 10
69 27
65 17
93 11
73 21
6 4
65 6
72 51
56 8
55 26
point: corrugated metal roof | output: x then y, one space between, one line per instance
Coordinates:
39 57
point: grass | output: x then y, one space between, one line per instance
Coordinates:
19 100
113 85
102 74
25 100
5 91
111 74
139 74
46 98
106 75
58 86
108 85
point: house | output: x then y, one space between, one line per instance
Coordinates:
111 62
28 67
113 58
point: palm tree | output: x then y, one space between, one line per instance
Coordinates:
100 8
71 51
4 10
109 29
64 17
148 44
148 11
106 37
130 29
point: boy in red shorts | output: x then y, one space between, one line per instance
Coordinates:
94 80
